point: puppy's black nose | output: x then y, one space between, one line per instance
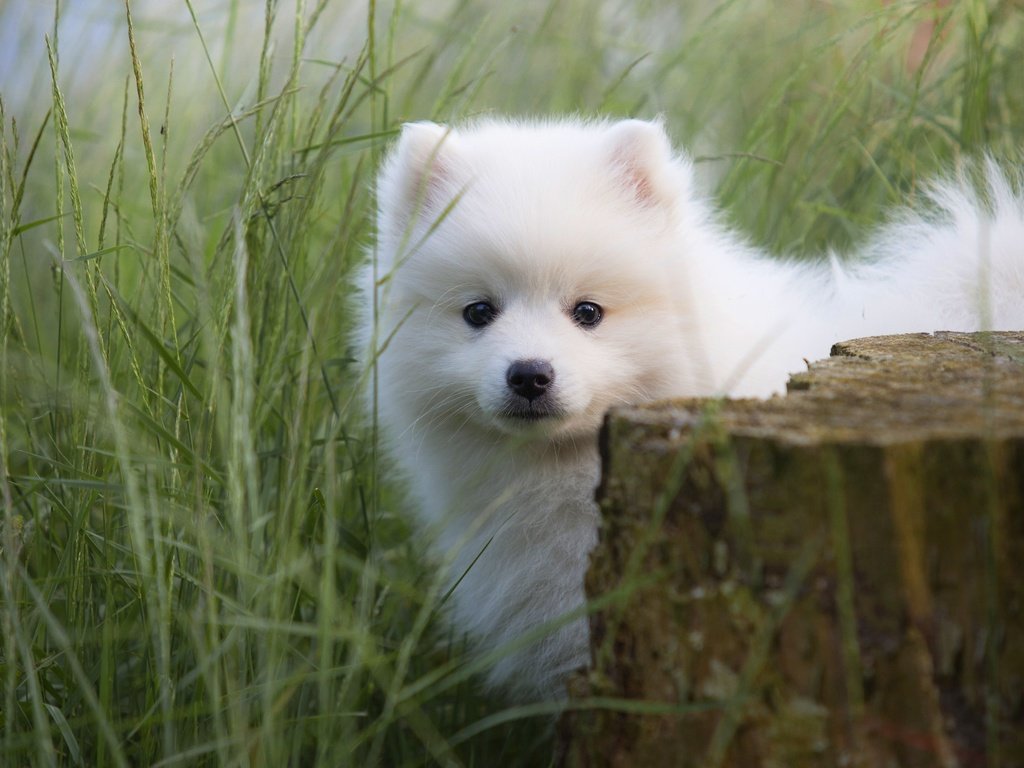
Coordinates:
530 378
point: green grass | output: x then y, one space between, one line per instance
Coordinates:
203 561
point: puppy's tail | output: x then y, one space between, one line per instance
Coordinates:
964 246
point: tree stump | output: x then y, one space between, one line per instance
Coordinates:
830 578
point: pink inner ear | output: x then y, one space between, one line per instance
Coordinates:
643 190
437 177
428 187
634 177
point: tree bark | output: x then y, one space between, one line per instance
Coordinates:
830 578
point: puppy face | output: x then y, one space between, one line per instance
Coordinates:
527 274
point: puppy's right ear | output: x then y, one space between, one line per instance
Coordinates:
412 180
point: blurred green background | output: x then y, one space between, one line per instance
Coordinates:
204 561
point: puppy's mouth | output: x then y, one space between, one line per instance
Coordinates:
529 411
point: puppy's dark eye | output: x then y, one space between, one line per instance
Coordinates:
587 314
479 313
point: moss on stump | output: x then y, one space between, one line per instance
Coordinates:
830 578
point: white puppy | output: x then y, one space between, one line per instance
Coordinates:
528 276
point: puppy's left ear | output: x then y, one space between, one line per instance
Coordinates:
412 177
641 157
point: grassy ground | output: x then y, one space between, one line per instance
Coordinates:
201 560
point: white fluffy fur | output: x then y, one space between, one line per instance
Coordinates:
535 217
